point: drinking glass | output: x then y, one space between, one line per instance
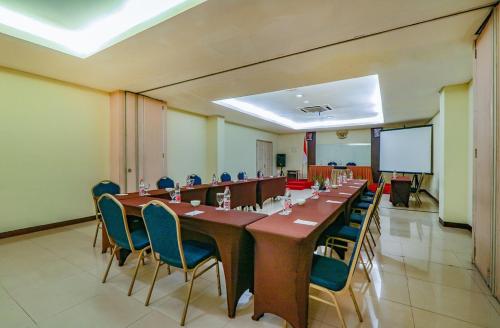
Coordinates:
172 196
220 198
146 188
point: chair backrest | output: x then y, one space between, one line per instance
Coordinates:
332 163
165 182
196 179
105 187
259 173
378 195
225 177
115 221
241 175
357 246
351 164
164 231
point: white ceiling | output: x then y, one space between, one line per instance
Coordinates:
343 103
412 63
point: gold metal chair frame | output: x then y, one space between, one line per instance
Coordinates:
195 274
116 248
97 211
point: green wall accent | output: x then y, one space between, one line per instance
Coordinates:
54 146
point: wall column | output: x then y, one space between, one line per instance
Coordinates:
215 145
453 141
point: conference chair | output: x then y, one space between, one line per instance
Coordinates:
165 182
164 231
332 163
351 164
415 188
241 175
372 193
196 179
333 277
361 206
103 187
356 218
225 177
260 173
120 235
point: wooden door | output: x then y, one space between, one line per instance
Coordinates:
151 140
264 157
483 171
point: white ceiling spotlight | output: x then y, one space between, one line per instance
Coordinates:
357 102
133 17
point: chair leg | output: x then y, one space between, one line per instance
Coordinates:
360 317
115 249
370 246
367 253
364 267
373 239
337 306
184 313
185 276
218 276
139 261
168 269
153 283
96 232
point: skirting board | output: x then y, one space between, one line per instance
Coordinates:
455 225
42 227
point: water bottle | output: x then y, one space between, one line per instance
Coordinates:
227 199
288 201
244 176
141 188
327 184
351 175
214 179
177 193
394 175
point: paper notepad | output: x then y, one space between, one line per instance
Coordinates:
345 193
334 201
193 213
305 222
142 205
121 194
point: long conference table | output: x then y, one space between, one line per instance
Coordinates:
224 228
275 264
284 248
359 172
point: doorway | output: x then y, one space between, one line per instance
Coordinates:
265 157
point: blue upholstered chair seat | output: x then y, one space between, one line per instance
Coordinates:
194 253
347 232
329 273
362 205
369 193
139 238
367 199
357 218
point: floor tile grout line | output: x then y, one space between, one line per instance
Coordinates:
449 316
20 306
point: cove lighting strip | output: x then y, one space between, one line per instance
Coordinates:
135 16
268 115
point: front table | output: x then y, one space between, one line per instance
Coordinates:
227 228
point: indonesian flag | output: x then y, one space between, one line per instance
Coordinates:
305 150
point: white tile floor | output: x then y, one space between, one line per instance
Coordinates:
421 277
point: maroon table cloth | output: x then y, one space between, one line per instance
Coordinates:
283 258
227 228
269 188
400 190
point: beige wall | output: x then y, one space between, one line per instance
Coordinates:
455 170
240 148
54 145
186 145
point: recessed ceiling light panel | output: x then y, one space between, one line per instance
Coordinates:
357 102
133 17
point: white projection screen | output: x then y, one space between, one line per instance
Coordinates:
407 150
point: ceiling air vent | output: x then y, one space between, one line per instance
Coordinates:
316 109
